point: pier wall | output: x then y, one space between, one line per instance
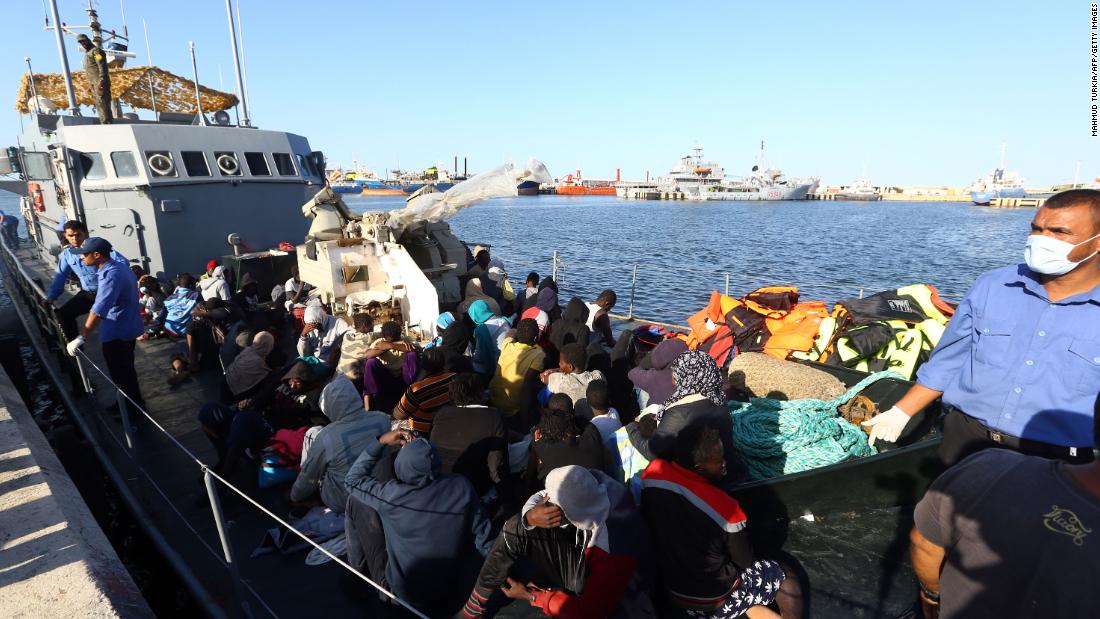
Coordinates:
55 561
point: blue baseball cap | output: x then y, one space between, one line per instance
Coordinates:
93 244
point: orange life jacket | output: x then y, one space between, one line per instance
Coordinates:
796 330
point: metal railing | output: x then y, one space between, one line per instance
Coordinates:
565 275
130 447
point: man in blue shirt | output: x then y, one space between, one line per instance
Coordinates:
1019 364
69 264
117 311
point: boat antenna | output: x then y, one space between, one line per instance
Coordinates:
244 60
38 110
245 121
122 10
68 77
148 76
195 72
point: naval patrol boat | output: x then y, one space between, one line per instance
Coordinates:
170 192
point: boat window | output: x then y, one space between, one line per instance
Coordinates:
92 165
160 163
194 161
227 163
306 166
36 166
284 164
125 165
257 164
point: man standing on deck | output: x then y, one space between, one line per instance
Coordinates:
1019 364
117 308
98 76
70 264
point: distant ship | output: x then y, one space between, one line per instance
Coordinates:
859 191
528 188
576 186
705 180
997 184
411 182
350 182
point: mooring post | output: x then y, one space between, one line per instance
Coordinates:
633 285
727 283
861 293
223 536
554 269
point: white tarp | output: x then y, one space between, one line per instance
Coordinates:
499 182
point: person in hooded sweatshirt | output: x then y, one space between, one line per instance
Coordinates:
571 329
591 544
421 535
325 466
322 336
215 286
490 332
654 374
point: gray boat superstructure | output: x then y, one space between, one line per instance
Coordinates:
168 195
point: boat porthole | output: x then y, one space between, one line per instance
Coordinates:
161 164
228 165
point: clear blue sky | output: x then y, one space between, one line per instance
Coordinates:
924 93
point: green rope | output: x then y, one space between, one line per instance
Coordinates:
775 437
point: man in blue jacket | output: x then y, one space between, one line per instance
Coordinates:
414 534
70 265
116 312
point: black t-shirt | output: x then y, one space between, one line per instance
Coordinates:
1022 538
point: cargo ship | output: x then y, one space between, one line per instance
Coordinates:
575 185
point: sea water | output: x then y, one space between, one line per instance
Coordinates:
684 250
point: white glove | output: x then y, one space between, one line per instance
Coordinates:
887 426
74 345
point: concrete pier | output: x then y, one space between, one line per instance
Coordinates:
55 561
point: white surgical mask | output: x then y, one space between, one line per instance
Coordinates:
1049 256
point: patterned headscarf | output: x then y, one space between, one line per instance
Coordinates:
696 374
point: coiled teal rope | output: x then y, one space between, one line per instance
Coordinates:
775 437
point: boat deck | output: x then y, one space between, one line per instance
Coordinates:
856 561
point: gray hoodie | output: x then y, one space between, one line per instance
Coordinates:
338 444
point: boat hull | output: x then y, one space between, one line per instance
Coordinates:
577 190
857 197
387 191
768 194
528 188
346 187
983 198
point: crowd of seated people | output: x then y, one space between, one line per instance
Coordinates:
506 449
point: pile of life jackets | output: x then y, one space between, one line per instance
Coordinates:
892 330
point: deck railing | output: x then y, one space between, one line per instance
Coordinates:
130 444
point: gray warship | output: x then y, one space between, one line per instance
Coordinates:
170 192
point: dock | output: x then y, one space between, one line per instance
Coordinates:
57 561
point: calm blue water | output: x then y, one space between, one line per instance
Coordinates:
685 249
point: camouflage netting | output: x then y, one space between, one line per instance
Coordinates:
131 87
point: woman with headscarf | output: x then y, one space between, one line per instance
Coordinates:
454 343
489 333
474 292
697 400
249 369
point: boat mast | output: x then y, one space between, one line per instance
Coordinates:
60 38
245 122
